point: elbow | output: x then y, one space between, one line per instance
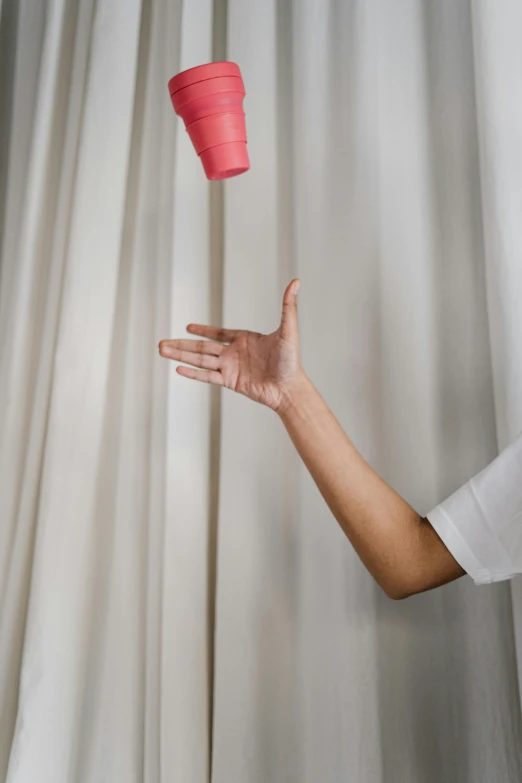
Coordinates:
399 595
396 594
399 591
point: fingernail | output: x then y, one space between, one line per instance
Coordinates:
166 351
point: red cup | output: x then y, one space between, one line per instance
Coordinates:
209 99
206 89
222 103
227 160
217 130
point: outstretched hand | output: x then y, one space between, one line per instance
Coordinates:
263 367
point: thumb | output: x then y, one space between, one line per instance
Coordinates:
289 326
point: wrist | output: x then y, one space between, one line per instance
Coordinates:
293 394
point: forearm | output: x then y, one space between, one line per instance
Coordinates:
401 550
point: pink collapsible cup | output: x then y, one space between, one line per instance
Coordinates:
209 99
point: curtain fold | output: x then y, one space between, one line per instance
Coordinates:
176 601
499 120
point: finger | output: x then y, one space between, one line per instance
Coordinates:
206 376
195 346
213 332
289 324
190 357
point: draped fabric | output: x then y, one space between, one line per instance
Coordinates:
176 601
499 104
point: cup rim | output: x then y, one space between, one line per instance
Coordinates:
201 73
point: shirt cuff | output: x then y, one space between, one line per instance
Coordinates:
452 538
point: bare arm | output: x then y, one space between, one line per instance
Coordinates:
399 548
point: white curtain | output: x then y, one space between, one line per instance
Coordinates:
177 603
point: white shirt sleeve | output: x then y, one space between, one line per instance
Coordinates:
481 523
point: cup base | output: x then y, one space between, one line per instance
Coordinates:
227 174
225 160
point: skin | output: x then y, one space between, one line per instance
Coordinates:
398 547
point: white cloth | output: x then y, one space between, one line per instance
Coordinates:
481 523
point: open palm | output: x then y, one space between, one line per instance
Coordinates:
263 367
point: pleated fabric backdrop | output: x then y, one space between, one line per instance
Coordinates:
177 604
